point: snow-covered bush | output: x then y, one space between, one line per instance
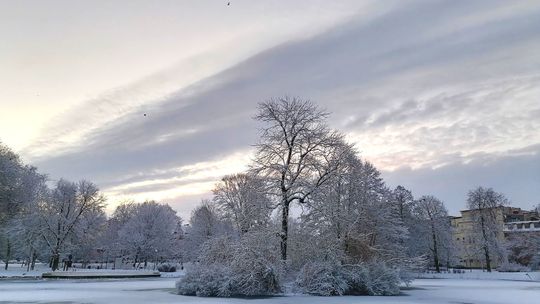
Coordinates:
323 279
229 267
256 268
513 267
409 267
167 267
329 278
206 281
374 278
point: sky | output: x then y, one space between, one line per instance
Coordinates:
155 99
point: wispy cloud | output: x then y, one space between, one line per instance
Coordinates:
418 86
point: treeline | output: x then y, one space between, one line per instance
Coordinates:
68 221
350 233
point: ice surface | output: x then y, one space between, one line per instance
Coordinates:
161 290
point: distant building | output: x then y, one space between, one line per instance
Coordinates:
508 219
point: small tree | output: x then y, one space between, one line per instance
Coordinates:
11 188
150 231
485 202
404 202
61 213
241 198
205 224
434 215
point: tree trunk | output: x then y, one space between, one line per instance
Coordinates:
486 247
33 262
284 229
488 259
135 262
8 254
29 260
435 250
55 261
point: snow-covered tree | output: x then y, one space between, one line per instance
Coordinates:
404 202
87 239
241 198
296 153
11 169
433 217
524 249
150 232
488 231
24 228
350 226
205 223
61 214
110 238
10 182
355 208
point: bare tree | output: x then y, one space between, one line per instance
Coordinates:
150 231
11 169
404 202
297 153
24 228
524 249
111 239
20 188
486 202
352 210
205 224
241 198
62 212
432 212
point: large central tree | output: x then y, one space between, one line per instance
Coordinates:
297 153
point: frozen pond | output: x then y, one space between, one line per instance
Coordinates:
162 291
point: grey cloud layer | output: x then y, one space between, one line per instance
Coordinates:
517 175
407 80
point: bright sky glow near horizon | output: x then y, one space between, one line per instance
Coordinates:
441 96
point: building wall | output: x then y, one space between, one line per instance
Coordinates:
465 233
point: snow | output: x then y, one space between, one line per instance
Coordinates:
17 271
161 290
483 275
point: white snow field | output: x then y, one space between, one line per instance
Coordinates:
16 271
161 290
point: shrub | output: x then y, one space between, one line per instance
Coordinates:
375 279
229 267
330 278
207 281
167 267
322 279
253 274
513 267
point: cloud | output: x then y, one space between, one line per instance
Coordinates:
515 174
425 85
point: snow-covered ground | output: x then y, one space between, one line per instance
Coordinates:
484 275
18 271
161 290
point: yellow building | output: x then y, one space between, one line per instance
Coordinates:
465 233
